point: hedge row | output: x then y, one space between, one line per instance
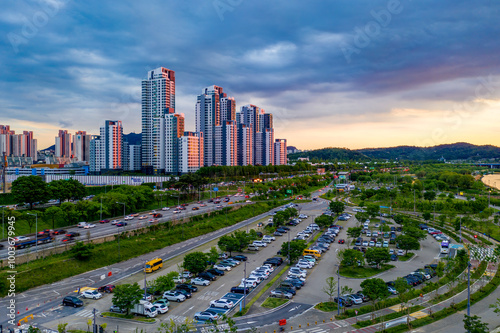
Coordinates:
474 298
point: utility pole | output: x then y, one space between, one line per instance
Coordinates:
338 290
94 326
145 288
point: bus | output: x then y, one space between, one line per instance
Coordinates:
153 265
445 247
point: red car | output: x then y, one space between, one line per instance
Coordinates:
106 289
59 231
104 221
341 241
45 231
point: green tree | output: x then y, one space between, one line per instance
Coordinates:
375 289
279 219
399 219
377 256
54 214
163 283
29 189
354 232
442 220
427 216
195 262
407 243
228 243
81 251
402 287
323 221
440 270
414 232
337 207
296 248
173 327
351 257
473 324
330 288
125 296
373 210
243 239
213 254
496 306
429 195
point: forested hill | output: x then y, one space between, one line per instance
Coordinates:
454 151
331 154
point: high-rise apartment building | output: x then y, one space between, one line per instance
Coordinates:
63 146
81 146
245 144
106 150
226 149
158 100
280 152
171 129
17 145
190 152
213 107
131 157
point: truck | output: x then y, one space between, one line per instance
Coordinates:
145 308
42 239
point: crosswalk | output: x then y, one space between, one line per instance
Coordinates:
209 295
177 319
323 328
87 313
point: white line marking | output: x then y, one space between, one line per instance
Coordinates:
188 310
220 287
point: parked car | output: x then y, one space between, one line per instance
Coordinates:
93 294
188 287
207 276
222 303
72 301
184 292
174 296
200 282
223 267
215 271
106 289
281 294
206 316
117 309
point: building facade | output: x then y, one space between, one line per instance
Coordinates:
81 146
63 147
190 152
106 150
158 100
280 152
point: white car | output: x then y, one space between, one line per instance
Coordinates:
94 294
401 252
116 222
222 267
162 308
259 243
221 303
378 244
21 238
269 237
89 225
303 265
259 275
178 279
128 218
200 281
143 217
308 262
174 296
165 208
372 243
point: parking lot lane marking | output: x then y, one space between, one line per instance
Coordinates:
250 322
56 292
188 310
220 287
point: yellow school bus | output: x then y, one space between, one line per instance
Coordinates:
153 265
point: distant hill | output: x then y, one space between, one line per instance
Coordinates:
330 154
454 151
133 138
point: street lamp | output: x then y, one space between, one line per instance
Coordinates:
122 203
36 230
338 290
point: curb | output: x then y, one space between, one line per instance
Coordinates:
132 320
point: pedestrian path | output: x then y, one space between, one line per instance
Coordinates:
86 313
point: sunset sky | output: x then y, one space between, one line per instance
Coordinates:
349 74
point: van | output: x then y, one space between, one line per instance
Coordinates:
81 224
252 247
153 265
315 253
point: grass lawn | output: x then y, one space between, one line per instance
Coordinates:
124 316
406 256
327 306
272 302
363 272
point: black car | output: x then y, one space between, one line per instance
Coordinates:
72 301
207 276
240 290
279 259
59 231
281 230
188 287
277 233
288 290
343 301
184 292
296 283
272 262
259 234
240 257
394 257
290 284
215 271
363 297
432 266
411 280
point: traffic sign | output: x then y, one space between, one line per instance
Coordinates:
289 191
216 189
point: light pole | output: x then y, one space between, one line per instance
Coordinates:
145 289
101 209
122 203
245 285
338 290
36 231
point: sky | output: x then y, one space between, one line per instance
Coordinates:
354 74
